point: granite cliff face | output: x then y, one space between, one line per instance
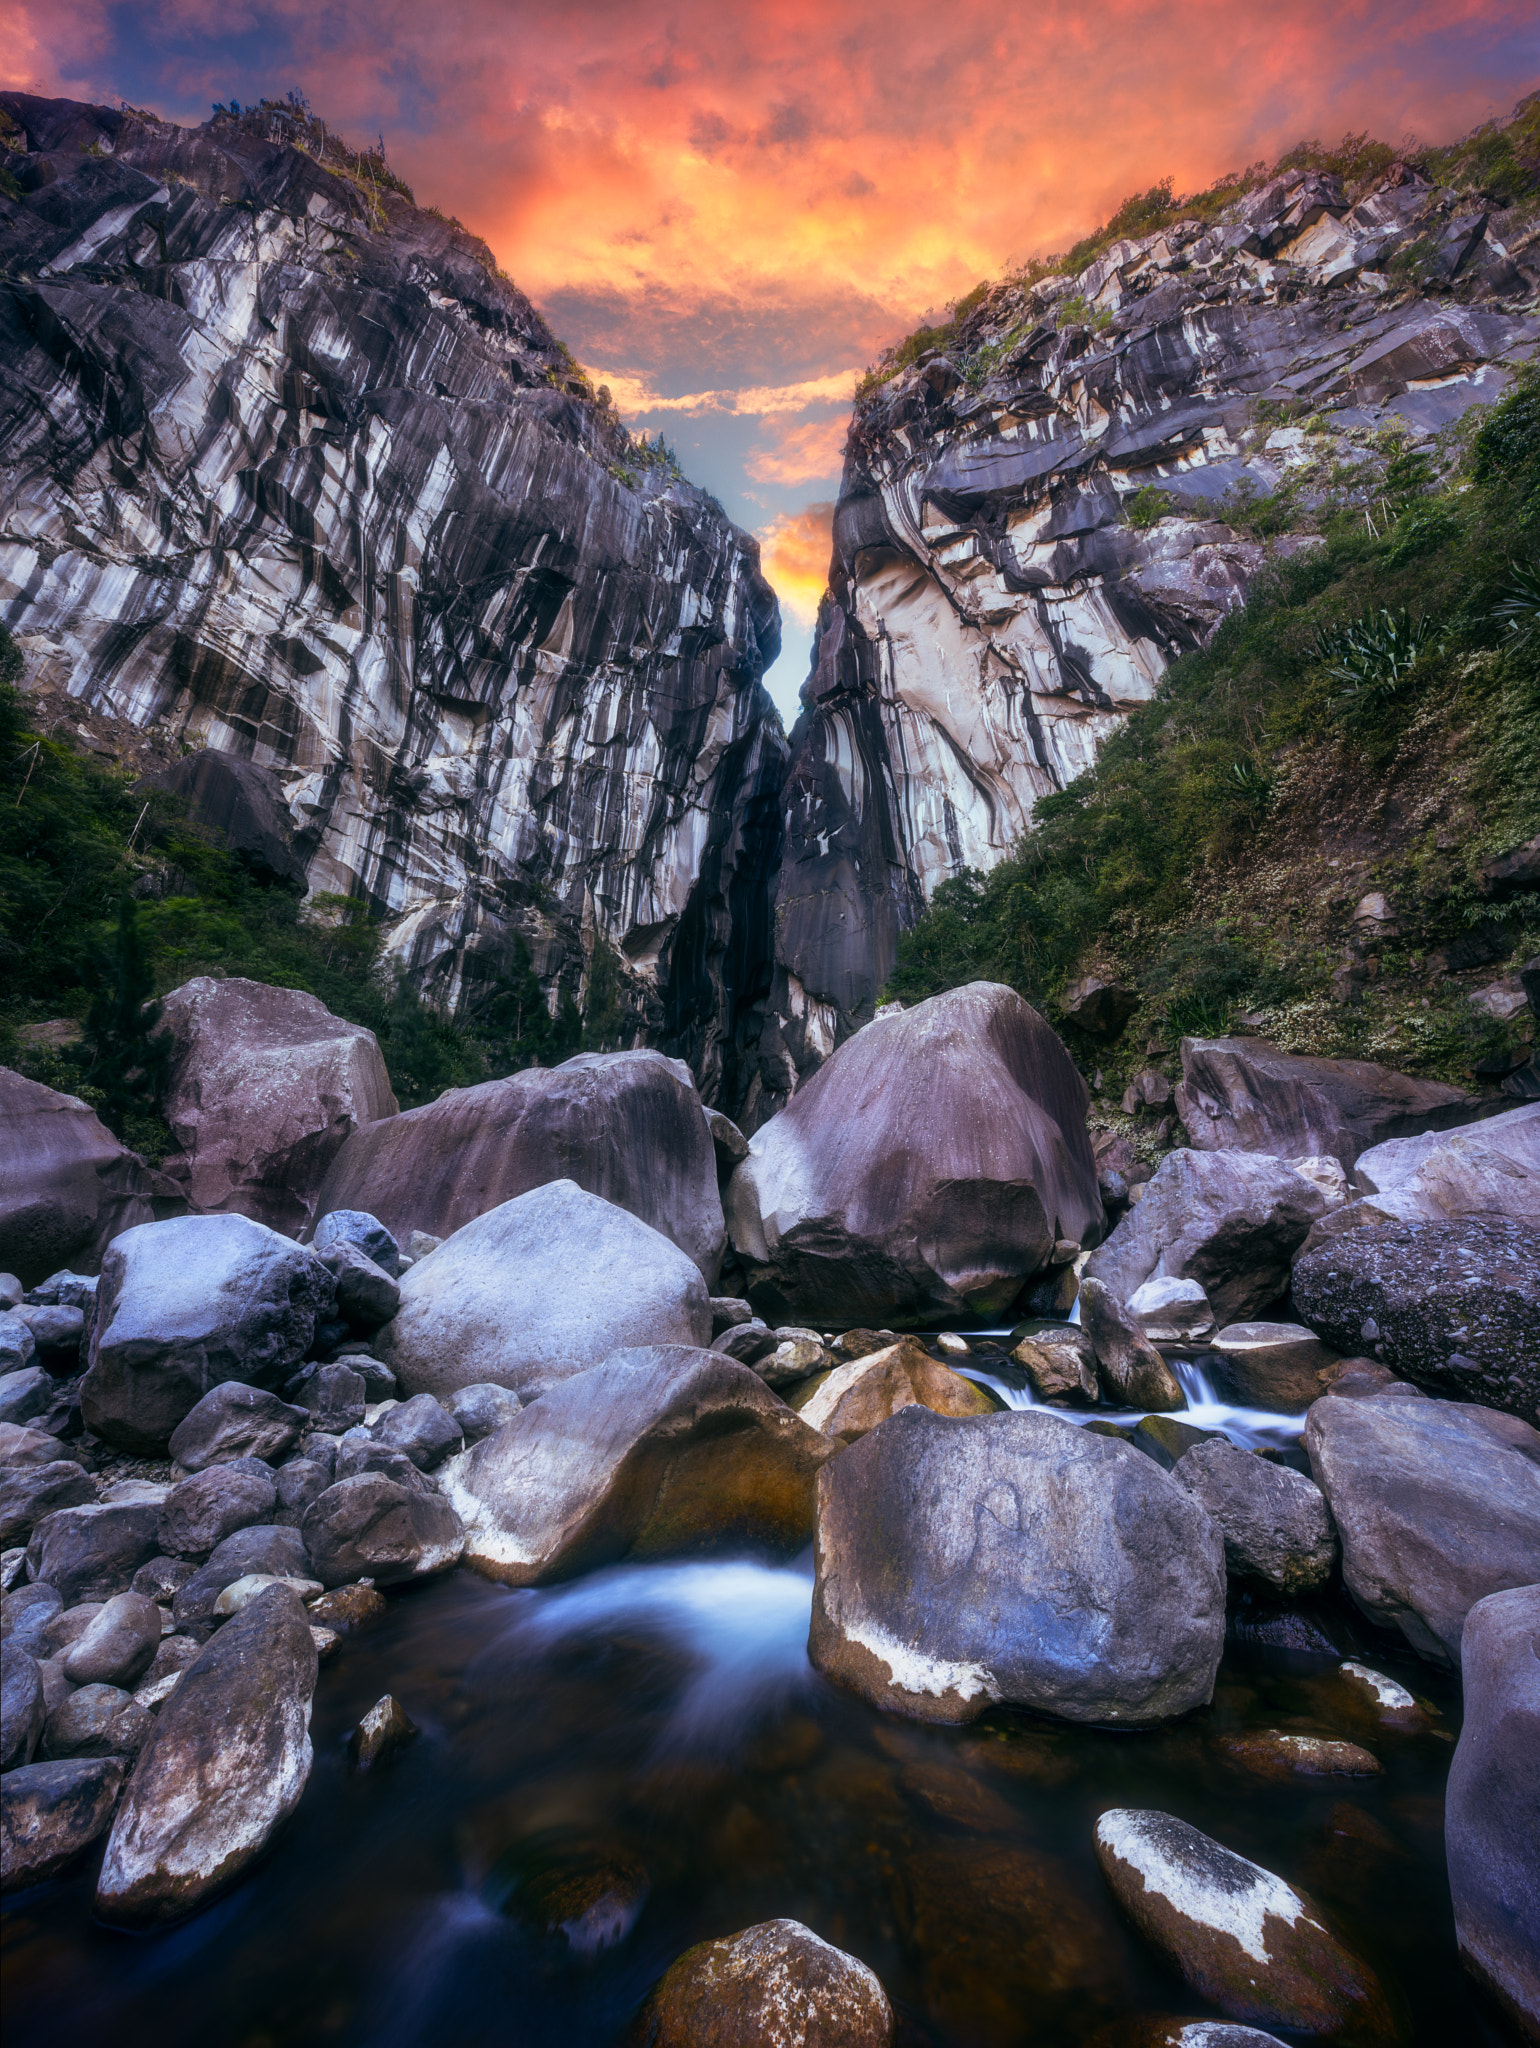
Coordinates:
1000 595
289 471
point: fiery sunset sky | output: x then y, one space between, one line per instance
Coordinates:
727 210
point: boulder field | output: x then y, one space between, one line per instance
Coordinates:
501 1349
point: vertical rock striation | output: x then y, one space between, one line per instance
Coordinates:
1032 524
290 471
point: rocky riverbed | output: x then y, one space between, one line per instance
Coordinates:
881 1580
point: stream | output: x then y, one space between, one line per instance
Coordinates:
613 1769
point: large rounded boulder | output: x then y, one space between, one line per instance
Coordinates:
185 1305
1493 1803
264 1086
925 1171
626 1126
1014 1558
663 1451
538 1289
67 1186
1437 1504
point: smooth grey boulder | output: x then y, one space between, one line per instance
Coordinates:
1489 1170
1492 1801
25 1616
28 1492
1276 1526
202 1511
1244 1940
90 1553
263 1087
542 1287
234 1421
12 1293
224 1767
373 1527
49 1813
1436 1506
478 1411
662 1451
747 1342
21 1705
119 1645
186 1305
421 1429
1229 1220
1453 1307
625 1126
18 1346
366 1294
1397 1164
1131 1371
98 1720
25 1394
67 1186
1245 1095
728 1311
926 1170
65 1289
1014 1558
264 1548
364 1232
336 1395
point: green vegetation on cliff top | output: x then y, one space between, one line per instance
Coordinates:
1369 722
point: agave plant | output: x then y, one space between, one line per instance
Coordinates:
1373 655
1518 609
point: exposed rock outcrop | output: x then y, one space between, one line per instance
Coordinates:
994 608
292 471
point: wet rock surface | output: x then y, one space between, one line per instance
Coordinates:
662 1451
1494 1792
773 1986
856 1397
1240 1936
51 1812
225 1765
371 1526
482 1307
1454 1307
1436 1504
927 1171
1014 1558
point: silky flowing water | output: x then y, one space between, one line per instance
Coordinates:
613 1769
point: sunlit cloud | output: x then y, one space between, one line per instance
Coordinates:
802 453
794 550
636 395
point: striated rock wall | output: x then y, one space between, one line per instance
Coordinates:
998 601
288 470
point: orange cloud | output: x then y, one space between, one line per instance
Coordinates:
762 194
794 551
802 454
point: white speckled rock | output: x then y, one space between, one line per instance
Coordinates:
1014 1558
772 1986
1243 1938
225 1765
